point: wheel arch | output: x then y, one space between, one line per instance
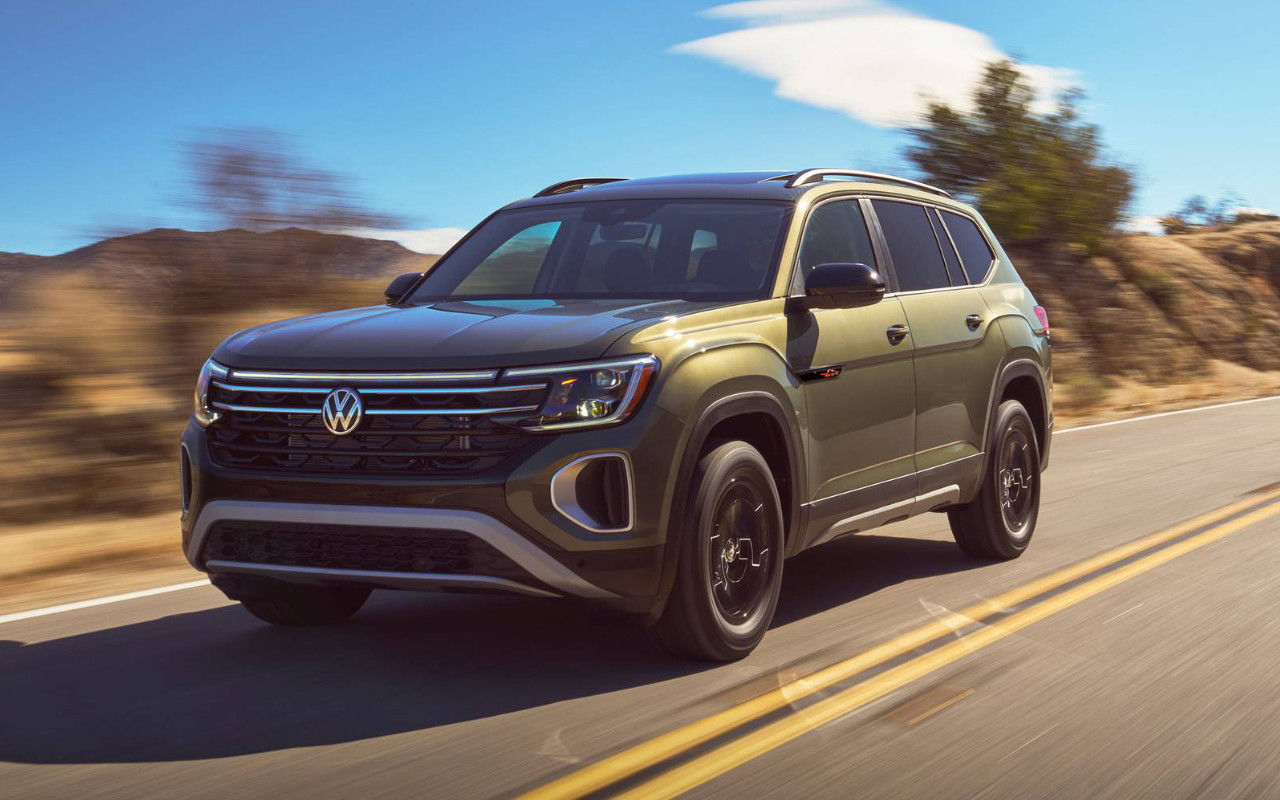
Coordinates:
761 415
1022 379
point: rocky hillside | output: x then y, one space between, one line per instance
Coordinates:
1161 309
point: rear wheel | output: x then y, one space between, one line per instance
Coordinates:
999 522
298 605
730 568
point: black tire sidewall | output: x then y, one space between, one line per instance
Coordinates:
1011 414
716 472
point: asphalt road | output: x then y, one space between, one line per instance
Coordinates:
1154 675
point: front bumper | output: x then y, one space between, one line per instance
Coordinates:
511 512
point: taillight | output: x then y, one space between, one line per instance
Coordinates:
1043 317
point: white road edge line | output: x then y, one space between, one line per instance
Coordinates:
1167 414
177 587
101 601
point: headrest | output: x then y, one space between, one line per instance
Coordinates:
626 270
728 270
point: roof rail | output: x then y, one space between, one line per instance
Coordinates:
816 175
574 185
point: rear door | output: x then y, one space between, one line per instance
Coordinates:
857 378
957 348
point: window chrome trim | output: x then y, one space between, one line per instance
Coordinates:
490 529
862 194
991 268
566 501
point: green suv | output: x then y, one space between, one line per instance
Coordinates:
642 393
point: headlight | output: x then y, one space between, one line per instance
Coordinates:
205 415
586 395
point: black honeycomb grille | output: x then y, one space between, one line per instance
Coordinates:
441 551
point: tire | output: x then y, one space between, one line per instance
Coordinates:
300 605
999 521
726 590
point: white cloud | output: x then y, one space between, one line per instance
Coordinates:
875 62
1260 212
1144 225
428 240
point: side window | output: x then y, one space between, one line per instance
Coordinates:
974 251
954 272
836 234
512 268
917 260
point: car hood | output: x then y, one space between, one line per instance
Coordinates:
447 335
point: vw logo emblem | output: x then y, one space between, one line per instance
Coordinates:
342 411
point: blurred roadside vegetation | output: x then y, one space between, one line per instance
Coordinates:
100 345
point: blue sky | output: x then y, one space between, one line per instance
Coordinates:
442 111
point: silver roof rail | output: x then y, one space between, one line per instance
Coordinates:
808 176
574 185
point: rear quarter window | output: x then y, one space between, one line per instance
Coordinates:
974 251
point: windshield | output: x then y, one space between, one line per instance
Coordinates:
690 249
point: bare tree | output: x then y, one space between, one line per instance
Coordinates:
251 178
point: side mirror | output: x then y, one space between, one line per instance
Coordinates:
399 285
843 286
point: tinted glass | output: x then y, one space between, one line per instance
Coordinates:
836 234
954 272
974 252
640 248
917 261
513 267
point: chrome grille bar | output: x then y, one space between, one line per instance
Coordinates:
398 412
526 387
366 377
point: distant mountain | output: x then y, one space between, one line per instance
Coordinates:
166 254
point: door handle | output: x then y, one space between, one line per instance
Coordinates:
973 321
897 333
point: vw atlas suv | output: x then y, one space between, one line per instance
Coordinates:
646 394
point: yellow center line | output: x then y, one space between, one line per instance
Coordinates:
600 774
741 750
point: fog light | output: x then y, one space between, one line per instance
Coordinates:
596 492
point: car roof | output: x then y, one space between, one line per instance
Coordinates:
756 185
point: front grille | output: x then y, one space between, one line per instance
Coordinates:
423 424
289 544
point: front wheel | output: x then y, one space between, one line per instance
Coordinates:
730 568
998 523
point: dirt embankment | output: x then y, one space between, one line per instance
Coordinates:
1199 311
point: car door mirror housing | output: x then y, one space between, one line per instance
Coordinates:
400 285
843 286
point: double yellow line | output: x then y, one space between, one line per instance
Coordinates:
696 771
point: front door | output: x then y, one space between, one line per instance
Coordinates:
855 368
